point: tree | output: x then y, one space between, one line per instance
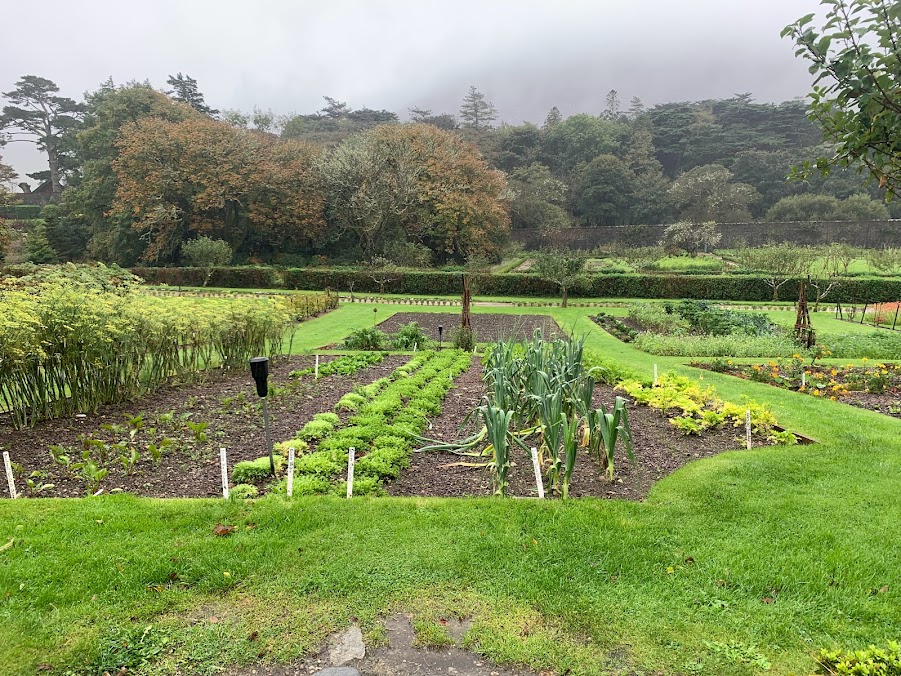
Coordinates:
444 121
206 252
553 118
178 180
7 176
636 108
86 209
477 113
690 237
807 207
708 194
579 139
415 182
184 89
512 147
811 207
538 199
856 96
603 191
37 246
43 118
612 106
563 268
779 263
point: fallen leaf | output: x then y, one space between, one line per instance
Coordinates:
254 635
8 545
214 620
670 570
767 600
226 574
223 531
690 561
883 589
173 576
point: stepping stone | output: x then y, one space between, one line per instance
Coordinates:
346 646
337 671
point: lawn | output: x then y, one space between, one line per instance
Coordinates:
738 564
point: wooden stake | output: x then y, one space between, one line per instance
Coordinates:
538 482
316 369
655 375
351 456
9 476
224 464
748 427
290 471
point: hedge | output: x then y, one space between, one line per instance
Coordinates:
712 287
22 212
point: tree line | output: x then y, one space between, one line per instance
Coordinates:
146 171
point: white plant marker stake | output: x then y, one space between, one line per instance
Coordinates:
351 455
655 375
748 427
290 471
9 475
224 463
316 371
415 345
804 379
537 469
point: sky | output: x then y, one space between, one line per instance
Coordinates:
526 56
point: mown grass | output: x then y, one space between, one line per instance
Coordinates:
748 558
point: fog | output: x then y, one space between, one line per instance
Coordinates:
525 56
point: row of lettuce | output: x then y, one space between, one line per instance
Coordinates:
74 340
385 419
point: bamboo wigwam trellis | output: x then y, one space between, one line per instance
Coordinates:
804 332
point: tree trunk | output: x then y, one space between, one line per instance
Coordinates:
564 296
55 180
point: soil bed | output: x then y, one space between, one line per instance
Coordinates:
488 327
227 401
660 449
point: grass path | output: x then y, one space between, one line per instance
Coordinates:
735 563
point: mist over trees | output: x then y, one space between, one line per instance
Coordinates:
146 171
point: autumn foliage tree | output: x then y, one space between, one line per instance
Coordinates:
178 180
415 183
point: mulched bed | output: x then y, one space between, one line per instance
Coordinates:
488 327
660 449
227 401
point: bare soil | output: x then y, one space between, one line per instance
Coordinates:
227 401
660 449
487 327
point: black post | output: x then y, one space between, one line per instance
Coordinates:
441 329
895 320
259 370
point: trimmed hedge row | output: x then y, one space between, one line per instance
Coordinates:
21 212
710 287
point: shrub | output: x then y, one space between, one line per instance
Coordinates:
206 252
463 339
254 471
716 346
409 336
654 318
702 317
366 339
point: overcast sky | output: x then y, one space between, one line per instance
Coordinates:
526 56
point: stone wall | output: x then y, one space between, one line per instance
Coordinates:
867 234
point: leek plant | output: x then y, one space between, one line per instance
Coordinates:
497 426
571 443
613 426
